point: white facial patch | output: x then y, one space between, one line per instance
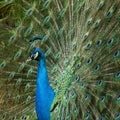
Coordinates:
36 55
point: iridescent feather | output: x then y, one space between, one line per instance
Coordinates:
81 44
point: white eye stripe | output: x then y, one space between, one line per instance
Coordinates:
35 55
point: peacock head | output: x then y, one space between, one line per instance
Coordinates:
36 54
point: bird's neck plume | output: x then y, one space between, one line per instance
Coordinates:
42 72
44 93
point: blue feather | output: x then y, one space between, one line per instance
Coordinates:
44 92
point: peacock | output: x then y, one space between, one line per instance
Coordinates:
60 60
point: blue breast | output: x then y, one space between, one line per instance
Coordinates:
44 92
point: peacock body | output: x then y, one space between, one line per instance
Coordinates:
77 73
44 93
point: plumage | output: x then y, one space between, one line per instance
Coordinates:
75 69
44 92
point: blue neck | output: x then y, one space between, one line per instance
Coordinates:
44 93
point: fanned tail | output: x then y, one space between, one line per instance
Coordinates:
81 41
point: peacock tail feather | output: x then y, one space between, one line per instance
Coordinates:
81 42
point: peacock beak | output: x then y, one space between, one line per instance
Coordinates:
28 60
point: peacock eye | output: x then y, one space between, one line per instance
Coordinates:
32 56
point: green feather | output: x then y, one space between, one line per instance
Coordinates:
81 43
